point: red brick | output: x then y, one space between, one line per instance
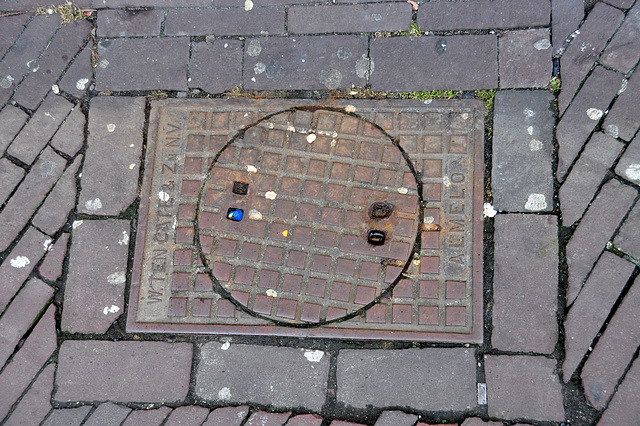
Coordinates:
10 176
622 53
107 414
305 420
35 404
523 61
229 416
147 417
68 416
187 415
623 408
263 418
396 418
70 136
79 77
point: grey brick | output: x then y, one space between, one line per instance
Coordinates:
113 4
623 408
396 418
187 416
275 376
51 267
147 417
323 62
525 283
465 62
384 378
624 4
123 371
623 120
67 416
10 29
11 121
349 18
583 115
70 136
525 58
264 418
586 176
35 404
79 77
594 231
108 414
522 179
10 176
566 16
229 416
303 420
129 22
628 239
216 66
476 421
194 22
94 290
240 3
624 50
142 64
111 167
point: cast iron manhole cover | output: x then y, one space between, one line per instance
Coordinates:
333 219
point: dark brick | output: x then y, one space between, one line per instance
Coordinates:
305 420
229 416
108 414
63 47
566 16
11 121
477 15
67 416
241 3
98 256
216 66
628 239
396 418
624 50
614 351
476 421
108 175
147 417
525 283
123 371
349 19
70 137
523 387
306 63
79 76
583 115
10 176
117 4
455 62
594 231
21 5
525 58
275 376
623 408
143 64
263 418
396 370
583 51
623 120
227 22
28 361
35 404
10 29
522 179
591 308
187 415
341 423
128 22
37 133
51 267
624 4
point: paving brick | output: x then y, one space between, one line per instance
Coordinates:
455 62
129 22
10 29
230 416
525 283
477 15
476 421
396 418
586 176
241 3
116 4
525 58
216 66
594 231
67 416
51 267
623 120
274 376
323 62
63 47
624 4
20 314
263 418
349 18
341 423
11 121
142 64
584 114
123 371
404 371
111 167
624 50
583 51
26 363
70 136
189 415
108 414
614 351
627 239
10 176
225 22
566 16
37 133
624 408
522 179
94 290
523 387
591 308
147 417
24 202
35 404
79 77
305 420
19 263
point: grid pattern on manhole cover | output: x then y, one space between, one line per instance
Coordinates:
259 217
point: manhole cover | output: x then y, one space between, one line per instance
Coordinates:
304 219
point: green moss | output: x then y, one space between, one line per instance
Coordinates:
433 94
554 85
67 11
487 96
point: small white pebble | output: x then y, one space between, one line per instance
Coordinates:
311 137
251 169
272 293
255 215
270 195
111 127
132 166
55 88
350 108
488 210
403 190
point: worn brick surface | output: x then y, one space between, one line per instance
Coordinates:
11 121
624 4
349 19
108 414
123 371
614 350
10 29
594 231
404 371
586 176
19 263
624 50
476 421
35 404
149 3
142 64
26 363
624 408
523 387
583 51
525 58
67 416
263 418
566 16
396 418
591 308
231 416
10 176
525 283
129 22
522 179
195 22
79 77
111 167
147 417
94 290
278 377
628 239
70 136
584 114
434 62
324 62
190 415
216 66
305 420
51 267
623 120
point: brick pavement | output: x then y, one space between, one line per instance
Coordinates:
562 255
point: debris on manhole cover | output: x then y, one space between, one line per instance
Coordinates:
262 231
